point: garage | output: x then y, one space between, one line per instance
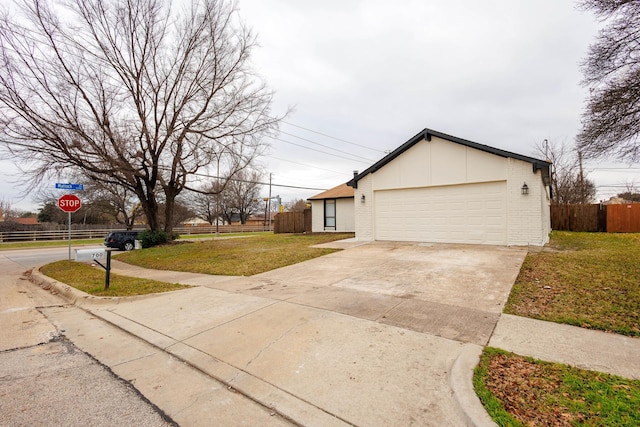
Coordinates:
473 213
444 189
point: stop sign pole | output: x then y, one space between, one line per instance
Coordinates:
69 203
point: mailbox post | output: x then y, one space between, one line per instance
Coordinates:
97 255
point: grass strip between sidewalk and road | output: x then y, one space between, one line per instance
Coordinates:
521 391
90 279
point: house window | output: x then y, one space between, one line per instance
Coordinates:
330 214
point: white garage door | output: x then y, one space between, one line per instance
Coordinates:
470 213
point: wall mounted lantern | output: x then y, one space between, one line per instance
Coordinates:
525 189
362 198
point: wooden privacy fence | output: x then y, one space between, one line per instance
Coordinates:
605 218
578 217
293 222
623 218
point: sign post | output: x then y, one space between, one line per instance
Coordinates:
69 203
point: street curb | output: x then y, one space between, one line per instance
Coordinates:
75 296
288 406
467 402
461 383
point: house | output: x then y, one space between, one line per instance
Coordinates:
259 219
333 210
26 221
441 188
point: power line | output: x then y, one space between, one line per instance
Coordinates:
325 146
323 152
250 182
332 137
305 165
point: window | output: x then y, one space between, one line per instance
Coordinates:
330 214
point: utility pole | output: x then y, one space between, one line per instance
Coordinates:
270 174
582 201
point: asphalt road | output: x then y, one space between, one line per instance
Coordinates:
44 378
29 258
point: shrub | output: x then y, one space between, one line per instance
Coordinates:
151 238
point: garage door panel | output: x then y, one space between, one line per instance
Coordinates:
472 213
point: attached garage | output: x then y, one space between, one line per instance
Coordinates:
440 188
474 213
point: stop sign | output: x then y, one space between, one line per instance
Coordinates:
69 203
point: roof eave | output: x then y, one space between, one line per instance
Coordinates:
426 134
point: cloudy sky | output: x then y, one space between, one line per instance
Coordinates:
362 77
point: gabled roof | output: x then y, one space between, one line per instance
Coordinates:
342 191
426 134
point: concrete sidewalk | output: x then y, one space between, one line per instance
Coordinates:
321 349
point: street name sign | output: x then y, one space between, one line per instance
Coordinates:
69 186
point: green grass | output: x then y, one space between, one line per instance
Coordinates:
91 280
234 257
590 280
521 391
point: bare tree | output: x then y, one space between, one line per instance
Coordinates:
204 204
611 122
569 185
631 193
241 196
135 92
298 205
117 201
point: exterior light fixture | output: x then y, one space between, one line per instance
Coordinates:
362 198
525 189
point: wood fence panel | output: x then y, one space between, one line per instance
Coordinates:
307 220
289 222
578 217
623 218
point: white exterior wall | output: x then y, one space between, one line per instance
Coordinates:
345 216
317 216
529 216
439 163
363 211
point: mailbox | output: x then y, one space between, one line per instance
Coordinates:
91 254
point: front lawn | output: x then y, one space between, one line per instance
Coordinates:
234 257
590 280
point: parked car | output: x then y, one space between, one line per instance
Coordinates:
121 239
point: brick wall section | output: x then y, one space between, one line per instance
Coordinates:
528 216
364 211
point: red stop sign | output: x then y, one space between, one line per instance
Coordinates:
69 203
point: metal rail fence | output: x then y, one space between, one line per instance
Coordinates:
40 235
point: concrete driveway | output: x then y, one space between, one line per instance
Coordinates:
372 335
452 291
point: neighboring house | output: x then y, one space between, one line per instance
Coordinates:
440 188
333 210
258 219
26 221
